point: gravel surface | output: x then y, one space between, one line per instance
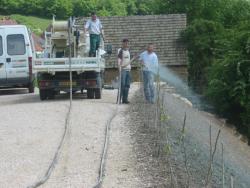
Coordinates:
121 166
29 135
236 152
31 130
161 156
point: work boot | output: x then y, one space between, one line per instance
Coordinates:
125 102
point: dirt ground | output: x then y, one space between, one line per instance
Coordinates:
31 130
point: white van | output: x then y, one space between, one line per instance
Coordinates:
16 56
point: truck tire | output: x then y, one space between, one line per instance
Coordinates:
90 93
43 94
98 93
31 88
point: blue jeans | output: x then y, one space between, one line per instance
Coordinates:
125 85
148 84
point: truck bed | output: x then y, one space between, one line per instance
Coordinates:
62 64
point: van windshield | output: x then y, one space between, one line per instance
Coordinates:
1 46
16 44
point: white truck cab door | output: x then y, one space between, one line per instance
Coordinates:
17 54
2 58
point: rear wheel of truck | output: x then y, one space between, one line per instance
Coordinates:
98 93
90 93
43 94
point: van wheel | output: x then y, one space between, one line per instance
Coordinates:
90 93
43 94
98 93
31 88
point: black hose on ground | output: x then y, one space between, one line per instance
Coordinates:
104 152
55 158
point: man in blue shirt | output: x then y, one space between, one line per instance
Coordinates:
149 61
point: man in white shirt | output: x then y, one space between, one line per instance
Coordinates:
124 64
94 27
149 61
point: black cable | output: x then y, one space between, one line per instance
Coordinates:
55 158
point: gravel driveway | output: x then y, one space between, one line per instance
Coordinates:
31 130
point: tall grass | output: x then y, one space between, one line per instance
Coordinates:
36 24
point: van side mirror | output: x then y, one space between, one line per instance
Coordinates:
109 49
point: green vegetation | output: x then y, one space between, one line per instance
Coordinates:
65 8
37 25
219 58
217 39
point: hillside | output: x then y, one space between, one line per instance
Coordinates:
36 24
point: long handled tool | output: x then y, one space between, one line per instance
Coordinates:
118 100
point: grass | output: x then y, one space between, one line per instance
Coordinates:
36 24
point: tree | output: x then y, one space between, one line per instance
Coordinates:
31 7
61 8
200 38
84 7
10 6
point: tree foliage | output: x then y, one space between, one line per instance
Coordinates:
218 43
201 40
65 8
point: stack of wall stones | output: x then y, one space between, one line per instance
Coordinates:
161 30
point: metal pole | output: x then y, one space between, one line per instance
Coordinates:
223 167
120 86
70 69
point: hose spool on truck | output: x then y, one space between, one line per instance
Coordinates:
53 71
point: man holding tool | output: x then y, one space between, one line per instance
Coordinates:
149 60
124 65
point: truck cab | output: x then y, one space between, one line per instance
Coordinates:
16 56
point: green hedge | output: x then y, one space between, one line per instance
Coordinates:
219 64
229 80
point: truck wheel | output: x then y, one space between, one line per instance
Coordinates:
90 93
31 88
43 94
98 93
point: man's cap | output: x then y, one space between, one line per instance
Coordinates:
125 40
93 13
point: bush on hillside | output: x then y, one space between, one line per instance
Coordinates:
229 80
201 40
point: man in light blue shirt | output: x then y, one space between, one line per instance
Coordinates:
94 27
149 61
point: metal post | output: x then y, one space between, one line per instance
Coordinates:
232 182
70 69
120 86
223 167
